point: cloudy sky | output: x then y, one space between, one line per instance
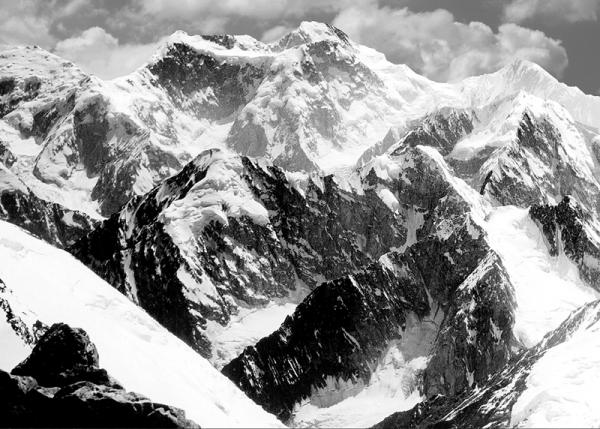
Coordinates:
445 40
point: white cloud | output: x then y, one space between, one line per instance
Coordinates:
98 52
552 10
434 44
21 26
262 9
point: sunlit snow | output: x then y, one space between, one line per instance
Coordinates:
50 285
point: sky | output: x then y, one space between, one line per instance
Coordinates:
445 40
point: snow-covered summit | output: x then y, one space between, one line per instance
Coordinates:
311 32
227 169
313 101
523 75
221 45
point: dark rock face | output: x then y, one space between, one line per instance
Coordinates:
116 149
48 221
540 138
441 130
61 385
182 71
328 231
62 355
6 156
476 338
537 168
319 235
342 328
14 92
29 336
491 404
567 227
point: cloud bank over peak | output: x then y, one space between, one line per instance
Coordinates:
552 11
114 38
100 53
439 47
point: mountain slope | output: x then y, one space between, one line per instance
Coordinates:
133 347
504 305
312 101
445 177
548 385
229 233
250 190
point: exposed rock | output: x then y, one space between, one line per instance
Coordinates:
75 392
570 229
338 331
344 326
491 404
183 254
49 221
476 338
6 156
62 356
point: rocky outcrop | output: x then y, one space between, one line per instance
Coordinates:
538 167
186 74
46 220
492 404
252 237
477 336
61 385
14 91
569 229
441 129
62 356
341 330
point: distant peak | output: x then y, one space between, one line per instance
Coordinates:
521 67
209 43
224 40
312 32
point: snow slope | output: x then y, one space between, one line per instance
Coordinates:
522 75
562 385
245 329
547 288
47 284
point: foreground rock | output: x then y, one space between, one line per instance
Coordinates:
61 385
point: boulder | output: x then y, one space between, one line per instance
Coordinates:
62 385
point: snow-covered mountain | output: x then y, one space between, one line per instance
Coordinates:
42 285
344 238
228 233
547 385
312 101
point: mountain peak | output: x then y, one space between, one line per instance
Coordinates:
213 44
312 32
519 67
